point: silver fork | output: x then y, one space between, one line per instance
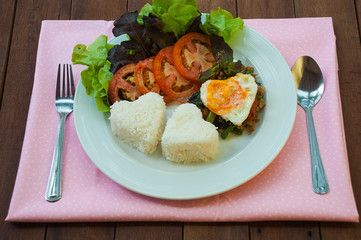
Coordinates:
64 102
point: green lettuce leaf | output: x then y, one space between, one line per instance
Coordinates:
177 15
148 9
102 104
96 76
89 77
222 23
104 76
166 4
94 55
178 18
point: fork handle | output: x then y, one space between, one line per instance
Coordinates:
319 180
53 189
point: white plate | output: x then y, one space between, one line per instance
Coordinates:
240 158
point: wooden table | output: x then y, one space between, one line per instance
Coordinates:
20 26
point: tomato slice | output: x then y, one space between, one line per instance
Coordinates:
144 78
169 79
192 55
122 85
253 112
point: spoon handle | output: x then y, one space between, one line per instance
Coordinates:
319 180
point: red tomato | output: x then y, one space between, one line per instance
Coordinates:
122 85
169 79
253 112
144 78
192 55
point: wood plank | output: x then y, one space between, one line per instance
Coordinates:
137 5
149 231
75 231
6 26
89 10
15 102
358 12
29 231
284 230
265 9
340 231
206 6
97 9
216 231
349 60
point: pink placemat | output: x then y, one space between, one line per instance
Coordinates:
281 192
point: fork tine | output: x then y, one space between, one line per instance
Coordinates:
68 94
58 84
63 94
72 82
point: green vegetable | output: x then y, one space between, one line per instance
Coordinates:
154 30
196 99
227 131
166 4
102 104
143 40
211 116
104 76
209 74
96 76
248 72
147 9
94 55
225 67
178 18
177 15
222 23
158 25
237 131
138 42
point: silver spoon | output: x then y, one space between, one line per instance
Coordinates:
310 86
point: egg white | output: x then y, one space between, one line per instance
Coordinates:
239 113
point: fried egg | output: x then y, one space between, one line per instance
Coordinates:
232 98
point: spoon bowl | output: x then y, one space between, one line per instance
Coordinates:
310 87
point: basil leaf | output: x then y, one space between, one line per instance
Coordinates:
209 74
233 68
196 99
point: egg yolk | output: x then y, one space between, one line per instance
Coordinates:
224 95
